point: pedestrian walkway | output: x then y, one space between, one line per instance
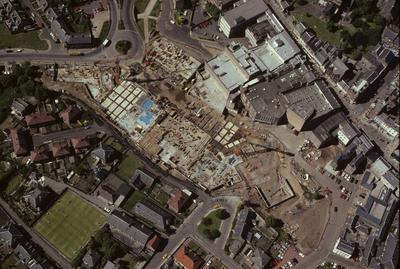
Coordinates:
146 16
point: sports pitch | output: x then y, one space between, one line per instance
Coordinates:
69 224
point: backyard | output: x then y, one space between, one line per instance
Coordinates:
135 197
127 167
27 40
69 224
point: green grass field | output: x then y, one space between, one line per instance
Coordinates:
320 27
127 167
132 200
28 40
215 222
13 184
69 224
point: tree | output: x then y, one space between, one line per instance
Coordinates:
123 46
331 26
207 221
273 222
222 214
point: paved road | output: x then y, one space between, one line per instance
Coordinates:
99 54
40 139
50 251
179 34
189 230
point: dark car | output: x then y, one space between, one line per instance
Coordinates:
335 209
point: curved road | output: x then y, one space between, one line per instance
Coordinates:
96 55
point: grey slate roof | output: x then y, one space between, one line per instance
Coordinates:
390 258
243 223
104 152
153 213
260 259
128 230
141 180
10 234
91 258
36 198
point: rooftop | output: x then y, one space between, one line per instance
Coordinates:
244 10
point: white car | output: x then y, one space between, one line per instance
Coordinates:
107 209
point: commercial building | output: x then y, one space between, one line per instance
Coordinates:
387 124
233 22
310 104
263 101
266 27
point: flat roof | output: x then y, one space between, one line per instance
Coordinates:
317 97
245 10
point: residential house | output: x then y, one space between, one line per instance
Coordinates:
60 150
154 243
111 265
80 144
10 235
104 153
37 198
187 258
40 155
141 180
128 230
20 108
29 254
42 4
39 119
91 259
178 201
153 214
21 141
70 114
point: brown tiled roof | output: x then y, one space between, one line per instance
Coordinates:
188 259
177 201
154 242
40 118
70 114
80 142
20 141
39 155
60 150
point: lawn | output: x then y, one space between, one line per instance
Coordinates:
127 167
111 141
210 225
69 224
135 197
13 184
320 27
12 263
27 40
104 31
141 5
162 197
156 9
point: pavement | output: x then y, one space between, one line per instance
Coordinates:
36 238
179 34
40 139
57 54
189 230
